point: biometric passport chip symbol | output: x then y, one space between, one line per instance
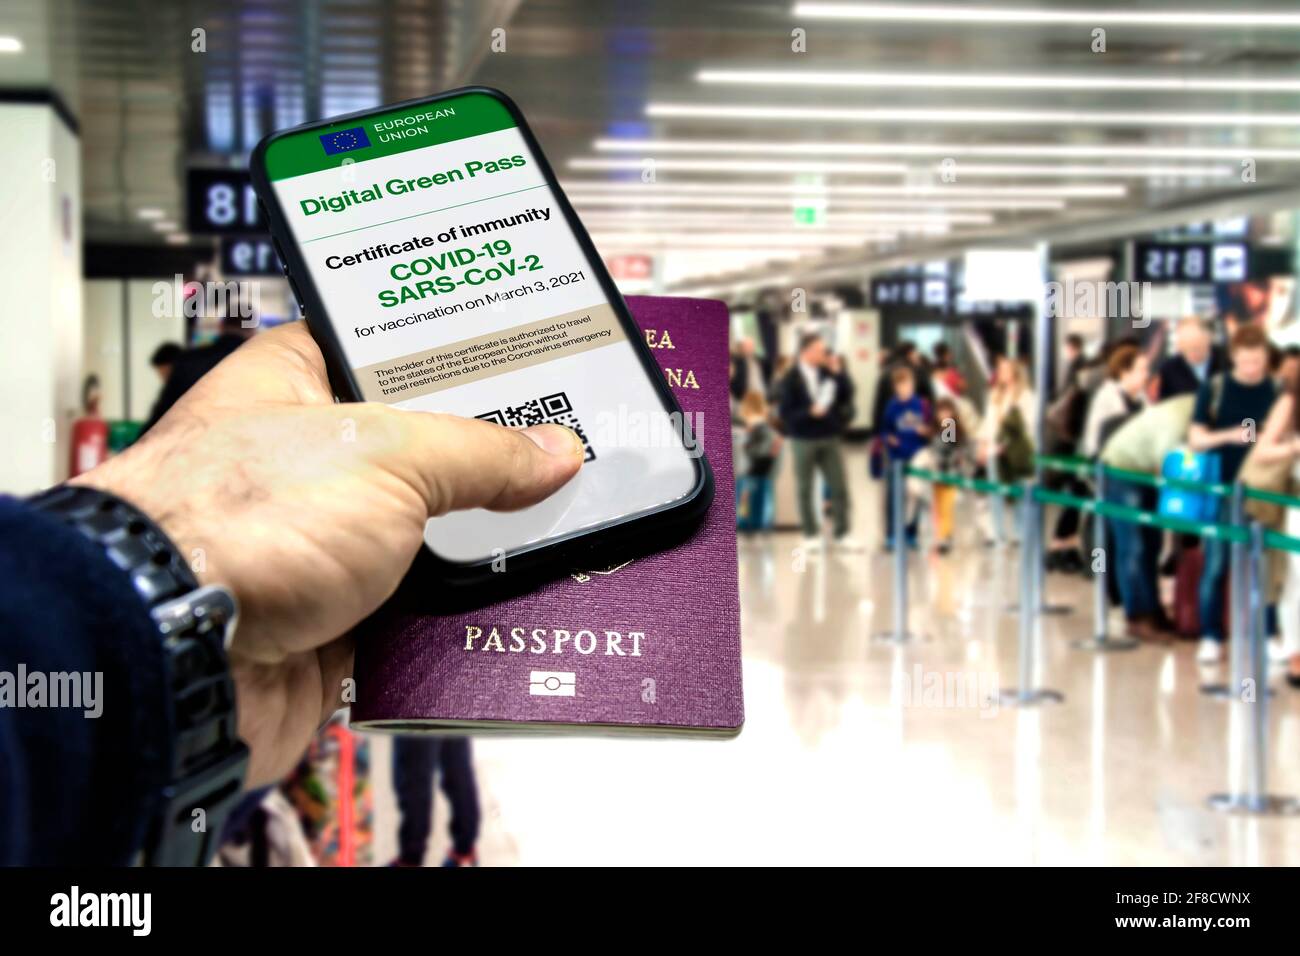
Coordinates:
552 684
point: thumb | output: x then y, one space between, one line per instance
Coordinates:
457 463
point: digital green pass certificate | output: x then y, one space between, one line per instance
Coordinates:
455 284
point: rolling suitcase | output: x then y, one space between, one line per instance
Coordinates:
1187 585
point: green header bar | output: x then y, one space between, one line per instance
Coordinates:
389 133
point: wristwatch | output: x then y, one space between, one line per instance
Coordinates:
195 625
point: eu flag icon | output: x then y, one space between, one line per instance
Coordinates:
344 141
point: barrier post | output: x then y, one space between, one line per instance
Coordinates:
1042 381
1040 571
1101 640
1026 695
1037 548
998 506
1253 693
1238 556
898 508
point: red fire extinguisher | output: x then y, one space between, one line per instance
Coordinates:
89 432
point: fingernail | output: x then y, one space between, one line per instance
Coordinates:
555 439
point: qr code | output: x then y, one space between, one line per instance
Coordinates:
549 408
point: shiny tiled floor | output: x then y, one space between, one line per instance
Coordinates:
857 751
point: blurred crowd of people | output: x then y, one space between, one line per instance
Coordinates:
1222 414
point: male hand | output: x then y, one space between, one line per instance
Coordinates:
311 512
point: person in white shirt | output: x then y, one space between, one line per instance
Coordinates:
1121 395
1010 391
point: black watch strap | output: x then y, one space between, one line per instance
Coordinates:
194 626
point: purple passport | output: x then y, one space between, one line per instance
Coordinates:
652 645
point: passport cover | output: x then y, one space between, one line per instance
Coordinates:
651 645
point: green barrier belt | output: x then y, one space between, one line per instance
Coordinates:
971 484
1084 468
1281 542
1217 488
1273 497
1108 509
1204 529
1117 512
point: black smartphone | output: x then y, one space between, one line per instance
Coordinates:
441 268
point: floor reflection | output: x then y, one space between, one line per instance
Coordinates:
857 751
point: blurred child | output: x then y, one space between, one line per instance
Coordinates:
904 431
952 453
758 444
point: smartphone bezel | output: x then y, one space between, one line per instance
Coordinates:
609 538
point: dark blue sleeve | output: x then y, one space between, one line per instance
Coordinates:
793 410
889 418
78 784
1201 410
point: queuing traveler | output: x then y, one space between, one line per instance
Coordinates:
844 407
1288 368
1076 357
812 400
1230 408
1194 361
1277 455
417 760
163 359
192 364
904 355
1122 394
283 514
952 454
746 370
945 377
1140 444
1065 420
1137 547
904 430
1005 443
755 445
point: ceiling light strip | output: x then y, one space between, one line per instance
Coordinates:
1037 16
914 116
1012 150
1024 82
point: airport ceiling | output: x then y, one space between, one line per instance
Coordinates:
899 125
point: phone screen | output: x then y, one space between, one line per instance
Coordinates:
454 283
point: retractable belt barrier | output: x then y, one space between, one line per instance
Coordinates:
1086 468
1247 540
1107 509
970 484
